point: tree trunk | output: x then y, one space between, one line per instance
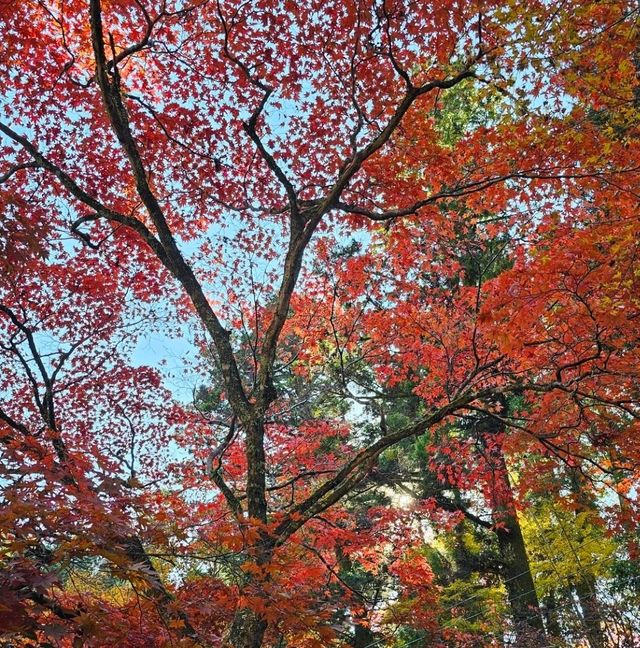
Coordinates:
363 636
550 614
585 583
518 581
591 616
247 630
249 627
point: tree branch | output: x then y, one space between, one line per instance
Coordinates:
109 84
356 469
17 167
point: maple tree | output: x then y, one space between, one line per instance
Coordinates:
309 183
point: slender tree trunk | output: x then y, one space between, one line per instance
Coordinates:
247 631
248 627
585 584
518 579
591 615
362 636
550 615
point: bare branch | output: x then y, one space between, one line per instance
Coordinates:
18 167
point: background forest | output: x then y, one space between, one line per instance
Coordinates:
402 239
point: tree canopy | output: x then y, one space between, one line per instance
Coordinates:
404 239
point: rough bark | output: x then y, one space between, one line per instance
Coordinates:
518 580
247 630
525 607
